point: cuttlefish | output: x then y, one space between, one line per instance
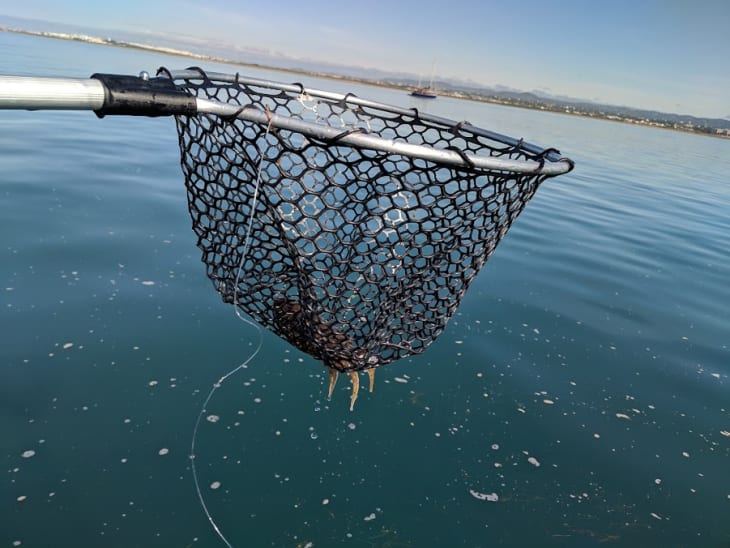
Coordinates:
318 339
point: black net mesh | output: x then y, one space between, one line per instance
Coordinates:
355 256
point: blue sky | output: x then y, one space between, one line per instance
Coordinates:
668 55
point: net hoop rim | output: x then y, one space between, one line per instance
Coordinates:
549 162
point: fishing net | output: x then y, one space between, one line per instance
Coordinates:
357 255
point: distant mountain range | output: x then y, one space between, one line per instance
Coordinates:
452 87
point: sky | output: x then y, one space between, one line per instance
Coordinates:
666 55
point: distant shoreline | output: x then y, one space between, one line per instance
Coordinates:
469 96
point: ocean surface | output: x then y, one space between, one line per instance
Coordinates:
584 381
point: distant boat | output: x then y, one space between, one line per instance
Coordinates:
425 92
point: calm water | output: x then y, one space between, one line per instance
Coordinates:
585 379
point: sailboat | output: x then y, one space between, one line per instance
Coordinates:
425 92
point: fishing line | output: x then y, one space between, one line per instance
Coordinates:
242 365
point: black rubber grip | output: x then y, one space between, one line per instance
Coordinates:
134 96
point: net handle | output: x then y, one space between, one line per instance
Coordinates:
34 93
103 93
108 94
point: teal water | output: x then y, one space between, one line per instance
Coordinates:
584 380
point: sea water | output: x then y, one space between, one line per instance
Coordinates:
580 396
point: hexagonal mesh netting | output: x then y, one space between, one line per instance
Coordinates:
357 256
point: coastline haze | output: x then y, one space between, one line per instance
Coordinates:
220 51
649 57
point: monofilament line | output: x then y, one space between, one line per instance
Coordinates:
242 365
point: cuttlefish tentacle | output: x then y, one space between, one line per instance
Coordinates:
371 374
355 388
333 381
355 384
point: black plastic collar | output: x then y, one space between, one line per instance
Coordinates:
131 95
